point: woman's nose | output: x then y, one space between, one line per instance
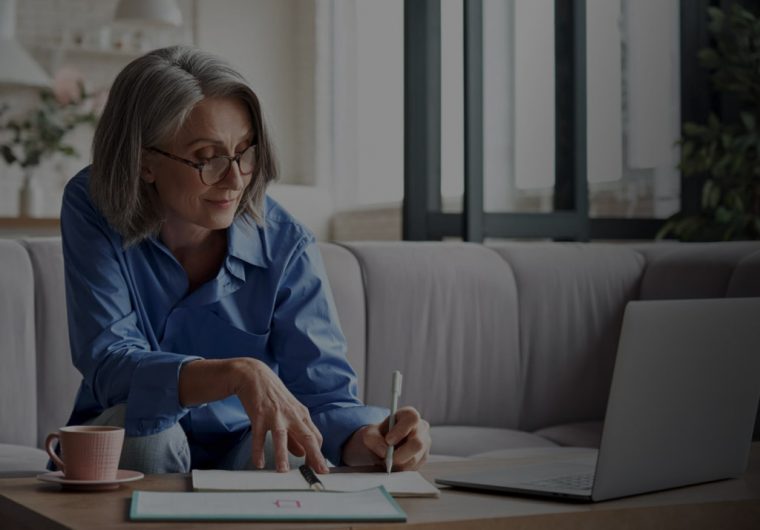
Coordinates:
233 179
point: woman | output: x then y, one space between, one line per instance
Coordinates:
199 311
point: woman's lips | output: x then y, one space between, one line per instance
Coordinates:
223 203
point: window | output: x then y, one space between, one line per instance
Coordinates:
555 118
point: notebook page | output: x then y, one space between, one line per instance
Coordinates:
217 479
398 484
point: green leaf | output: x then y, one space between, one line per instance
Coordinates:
723 215
67 150
8 155
709 58
710 195
748 120
693 129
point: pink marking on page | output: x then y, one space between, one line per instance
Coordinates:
287 503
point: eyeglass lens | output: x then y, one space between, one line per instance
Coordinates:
216 168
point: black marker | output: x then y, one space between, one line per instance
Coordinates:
311 478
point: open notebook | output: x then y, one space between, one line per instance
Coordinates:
398 484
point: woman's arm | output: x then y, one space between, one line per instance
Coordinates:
108 343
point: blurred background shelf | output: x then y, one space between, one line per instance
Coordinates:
29 226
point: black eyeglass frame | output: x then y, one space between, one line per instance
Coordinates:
200 165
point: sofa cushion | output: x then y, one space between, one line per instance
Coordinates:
57 379
445 314
580 434
572 297
18 387
19 460
466 440
745 280
694 270
345 279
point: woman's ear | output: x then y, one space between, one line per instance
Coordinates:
146 169
147 176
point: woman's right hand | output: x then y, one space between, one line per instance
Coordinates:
268 403
271 407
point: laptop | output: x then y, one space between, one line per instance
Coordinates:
681 408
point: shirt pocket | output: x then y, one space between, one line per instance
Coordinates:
208 335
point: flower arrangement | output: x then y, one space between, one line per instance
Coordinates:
28 139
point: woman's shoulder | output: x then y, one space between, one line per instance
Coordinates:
77 188
78 211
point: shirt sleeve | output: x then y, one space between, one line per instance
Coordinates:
107 344
311 352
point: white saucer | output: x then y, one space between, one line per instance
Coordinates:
122 475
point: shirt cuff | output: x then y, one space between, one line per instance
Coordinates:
153 400
338 424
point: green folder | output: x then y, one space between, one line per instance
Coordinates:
303 505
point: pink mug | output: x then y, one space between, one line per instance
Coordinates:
88 452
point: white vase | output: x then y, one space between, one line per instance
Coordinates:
40 196
10 195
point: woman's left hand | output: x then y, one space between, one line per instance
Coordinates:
410 436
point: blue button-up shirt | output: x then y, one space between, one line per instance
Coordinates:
132 324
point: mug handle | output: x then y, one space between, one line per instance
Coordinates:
52 437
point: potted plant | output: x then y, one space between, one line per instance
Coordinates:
28 140
726 152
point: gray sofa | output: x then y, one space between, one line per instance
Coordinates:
502 347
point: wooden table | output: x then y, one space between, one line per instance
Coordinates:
29 503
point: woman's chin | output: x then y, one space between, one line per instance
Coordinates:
219 222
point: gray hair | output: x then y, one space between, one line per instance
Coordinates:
149 102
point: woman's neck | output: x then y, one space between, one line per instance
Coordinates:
188 240
199 250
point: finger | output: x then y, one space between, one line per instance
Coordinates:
373 439
280 442
411 448
411 464
258 435
313 428
308 441
295 448
407 419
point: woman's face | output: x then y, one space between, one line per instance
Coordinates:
216 126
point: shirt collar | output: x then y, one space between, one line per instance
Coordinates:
245 242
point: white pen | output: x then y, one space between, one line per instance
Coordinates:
395 393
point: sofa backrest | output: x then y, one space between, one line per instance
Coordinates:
519 335
527 341
18 387
446 315
571 302
57 379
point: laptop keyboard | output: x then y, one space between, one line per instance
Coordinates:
582 481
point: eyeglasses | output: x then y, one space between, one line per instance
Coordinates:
214 169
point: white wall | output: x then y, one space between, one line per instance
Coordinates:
272 45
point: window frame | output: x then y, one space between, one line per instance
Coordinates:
423 218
